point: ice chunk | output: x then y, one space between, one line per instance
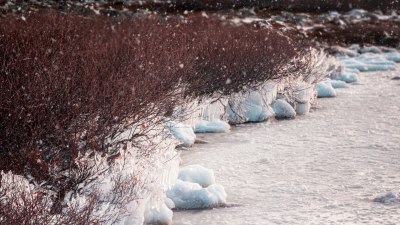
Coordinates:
372 67
187 195
254 109
393 56
161 215
250 111
349 70
213 126
346 76
184 133
253 112
169 203
303 93
283 109
389 198
197 174
267 112
372 49
303 108
325 89
251 106
338 84
388 49
369 62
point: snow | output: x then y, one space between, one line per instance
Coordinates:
345 51
338 84
393 56
303 93
283 110
197 174
389 198
322 168
169 203
325 89
347 76
184 133
373 58
368 62
303 108
161 215
187 195
213 126
251 109
371 49
212 108
343 73
252 105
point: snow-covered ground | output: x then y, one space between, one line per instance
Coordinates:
326 167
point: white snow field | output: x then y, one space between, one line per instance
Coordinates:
326 167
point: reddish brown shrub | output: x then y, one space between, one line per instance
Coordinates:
71 84
287 5
386 33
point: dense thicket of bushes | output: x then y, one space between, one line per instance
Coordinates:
291 5
108 6
385 33
73 84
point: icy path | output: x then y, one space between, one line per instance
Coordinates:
323 168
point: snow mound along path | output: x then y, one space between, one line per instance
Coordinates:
197 174
370 62
338 84
335 83
162 215
325 90
187 195
184 133
283 110
303 108
213 126
347 75
389 198
249 107
393 56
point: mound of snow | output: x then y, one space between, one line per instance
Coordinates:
325 89
369 62
184 133
338 84
346 76
303 108
248 112
393 56
252 106
187 195
197 174
389 198
169 203
254 109
356 71
162 215
303 93
372 49
283 109
213 126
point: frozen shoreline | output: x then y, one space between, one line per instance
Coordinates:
325 167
